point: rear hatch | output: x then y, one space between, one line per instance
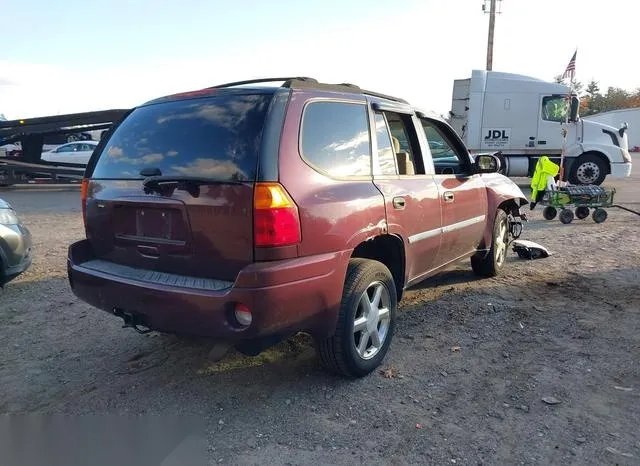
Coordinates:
171 190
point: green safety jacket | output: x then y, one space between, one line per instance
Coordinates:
544 169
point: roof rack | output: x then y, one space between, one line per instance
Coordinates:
263 80
301 82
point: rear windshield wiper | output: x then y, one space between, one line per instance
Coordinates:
164 184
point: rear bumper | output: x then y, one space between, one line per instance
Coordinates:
284 296
620 170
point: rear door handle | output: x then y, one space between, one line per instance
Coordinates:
448 196
398 203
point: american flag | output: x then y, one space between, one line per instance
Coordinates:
571 67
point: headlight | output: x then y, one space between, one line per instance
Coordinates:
8 217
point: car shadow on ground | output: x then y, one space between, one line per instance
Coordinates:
461 274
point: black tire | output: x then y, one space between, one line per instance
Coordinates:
491 264
599 215
566 216
338 353
549 212
588 169
582 212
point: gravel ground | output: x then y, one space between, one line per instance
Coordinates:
465 381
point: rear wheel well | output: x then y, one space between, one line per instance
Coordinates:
389 250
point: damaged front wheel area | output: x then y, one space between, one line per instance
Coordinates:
491 264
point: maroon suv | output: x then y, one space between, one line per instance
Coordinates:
248 213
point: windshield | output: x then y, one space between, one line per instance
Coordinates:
217 138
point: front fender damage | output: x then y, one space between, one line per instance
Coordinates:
502 193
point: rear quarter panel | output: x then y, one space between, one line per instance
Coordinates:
335 214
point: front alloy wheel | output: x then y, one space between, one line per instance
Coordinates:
491 264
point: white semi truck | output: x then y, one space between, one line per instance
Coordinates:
523 118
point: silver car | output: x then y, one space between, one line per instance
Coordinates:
15 244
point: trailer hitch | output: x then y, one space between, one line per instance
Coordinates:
133 321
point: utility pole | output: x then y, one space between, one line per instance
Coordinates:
492 25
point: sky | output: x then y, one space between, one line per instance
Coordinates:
74 56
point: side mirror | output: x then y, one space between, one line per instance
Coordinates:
487 163
575 107
623 128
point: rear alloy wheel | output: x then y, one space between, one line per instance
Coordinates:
588 169
491 264
366 321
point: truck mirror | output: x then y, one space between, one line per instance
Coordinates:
575 106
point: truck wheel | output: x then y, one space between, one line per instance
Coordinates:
599 215
549 212
588 169
366 321
582 212
566 216
491 264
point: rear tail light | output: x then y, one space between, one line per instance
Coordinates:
276 221
84 192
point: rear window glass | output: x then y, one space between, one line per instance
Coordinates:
335 138
217 138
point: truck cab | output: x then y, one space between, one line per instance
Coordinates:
525 118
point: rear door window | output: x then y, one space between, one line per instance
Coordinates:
336 140
214 137
386 153
405 145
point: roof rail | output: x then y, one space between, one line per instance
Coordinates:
385 96
342 87
302 82
263 80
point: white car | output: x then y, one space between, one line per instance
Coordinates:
10 150
78 152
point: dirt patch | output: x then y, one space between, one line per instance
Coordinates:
465 382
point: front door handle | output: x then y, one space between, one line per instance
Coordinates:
448 196
398 203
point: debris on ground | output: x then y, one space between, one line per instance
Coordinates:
550 400
389 373
623 389
618 452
